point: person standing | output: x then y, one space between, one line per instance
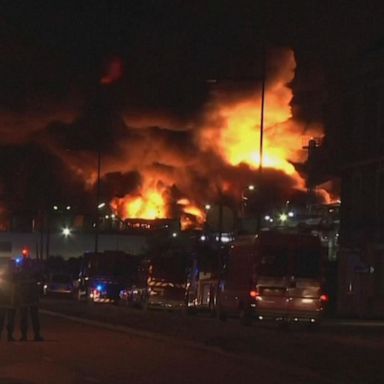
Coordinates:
29 299
7 300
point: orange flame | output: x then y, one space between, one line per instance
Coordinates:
237 139
150 204
231 128
191 211
113 72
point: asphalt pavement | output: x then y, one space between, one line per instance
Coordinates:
108 344
81 353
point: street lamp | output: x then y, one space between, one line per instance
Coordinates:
244 198
283 217
66 231
96 226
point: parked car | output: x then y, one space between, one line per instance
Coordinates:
59 284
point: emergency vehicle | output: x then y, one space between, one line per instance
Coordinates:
104 275
274 275
160 283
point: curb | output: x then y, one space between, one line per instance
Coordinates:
187 344
146 334
184 343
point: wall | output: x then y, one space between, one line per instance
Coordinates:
11 244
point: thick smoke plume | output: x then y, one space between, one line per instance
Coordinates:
159 165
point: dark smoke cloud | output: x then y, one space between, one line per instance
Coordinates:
118 184
62 158
55 115
32 178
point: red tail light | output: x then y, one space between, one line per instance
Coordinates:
324 298
253 293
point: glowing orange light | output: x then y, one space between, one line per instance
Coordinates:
324 298
113 72
150 204
232 128
190 210
253 293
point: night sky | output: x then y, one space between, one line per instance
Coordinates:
54 54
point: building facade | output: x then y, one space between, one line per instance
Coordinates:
355 124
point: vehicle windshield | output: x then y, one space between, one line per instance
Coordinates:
107 265
169 268
307 263
290 262
61 279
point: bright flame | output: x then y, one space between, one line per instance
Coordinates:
233 128
191 211
150 204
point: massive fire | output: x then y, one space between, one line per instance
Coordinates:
230 128
149 204
237 140
192 216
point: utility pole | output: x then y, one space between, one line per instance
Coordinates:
48 234
311 148
97 199
263 65
261 143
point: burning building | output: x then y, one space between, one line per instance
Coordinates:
158 166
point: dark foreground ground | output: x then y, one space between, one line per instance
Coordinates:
121 345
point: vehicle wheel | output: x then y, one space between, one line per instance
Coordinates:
245 317
144 304
221 314
213 300
283 325
313 326
76 295
88 299
189 311
116 302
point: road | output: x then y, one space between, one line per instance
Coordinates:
128 346
79 353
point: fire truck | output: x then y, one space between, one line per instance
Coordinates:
104 275
161 282
204 278
275 275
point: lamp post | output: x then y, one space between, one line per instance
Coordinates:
97 200
244 198
261 143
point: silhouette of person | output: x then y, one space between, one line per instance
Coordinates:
7 300
29 299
